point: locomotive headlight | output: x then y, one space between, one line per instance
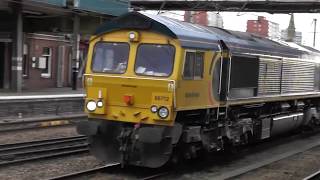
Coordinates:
163 112
133 36
154 109
99 103
91 106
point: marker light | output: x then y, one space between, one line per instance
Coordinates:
163 112
154 109
133 36
100 104
91 106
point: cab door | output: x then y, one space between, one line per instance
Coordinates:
193 91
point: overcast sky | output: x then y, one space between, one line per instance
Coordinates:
303 23
238 21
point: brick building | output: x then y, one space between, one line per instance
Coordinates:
264 28
196 17
47 59
204 18
43 41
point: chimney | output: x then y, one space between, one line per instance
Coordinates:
261 18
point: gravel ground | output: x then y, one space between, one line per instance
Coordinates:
39 134
45 169
128 173
295 167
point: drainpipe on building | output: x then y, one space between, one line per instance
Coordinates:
75 51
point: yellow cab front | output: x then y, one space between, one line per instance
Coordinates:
130 77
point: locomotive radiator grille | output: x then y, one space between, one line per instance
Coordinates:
269 76
297 76
285 76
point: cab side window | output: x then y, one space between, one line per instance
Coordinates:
194 65
188 66
198 66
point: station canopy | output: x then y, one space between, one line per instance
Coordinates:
272 6
61 3
111 7
106 7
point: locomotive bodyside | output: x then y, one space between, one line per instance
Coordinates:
158 89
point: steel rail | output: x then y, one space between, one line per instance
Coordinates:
41 149
104 168
35 124
314 176
39 143
34 127
3 164
32 152
44 119
85 172
156 175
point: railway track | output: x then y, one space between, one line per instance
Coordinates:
284 148
225 169
314 176
86 172
110 167
155 176
14 153
37 124
232 166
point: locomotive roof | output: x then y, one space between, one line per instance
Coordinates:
200 37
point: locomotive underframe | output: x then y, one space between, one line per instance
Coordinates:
240 125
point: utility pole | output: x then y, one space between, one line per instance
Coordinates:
314 32
130 9
75 50
17 49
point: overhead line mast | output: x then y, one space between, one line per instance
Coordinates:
314 32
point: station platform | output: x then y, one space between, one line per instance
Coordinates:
45 103
53 92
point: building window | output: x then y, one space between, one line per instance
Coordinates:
194 65
25 66
25 61
45 62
